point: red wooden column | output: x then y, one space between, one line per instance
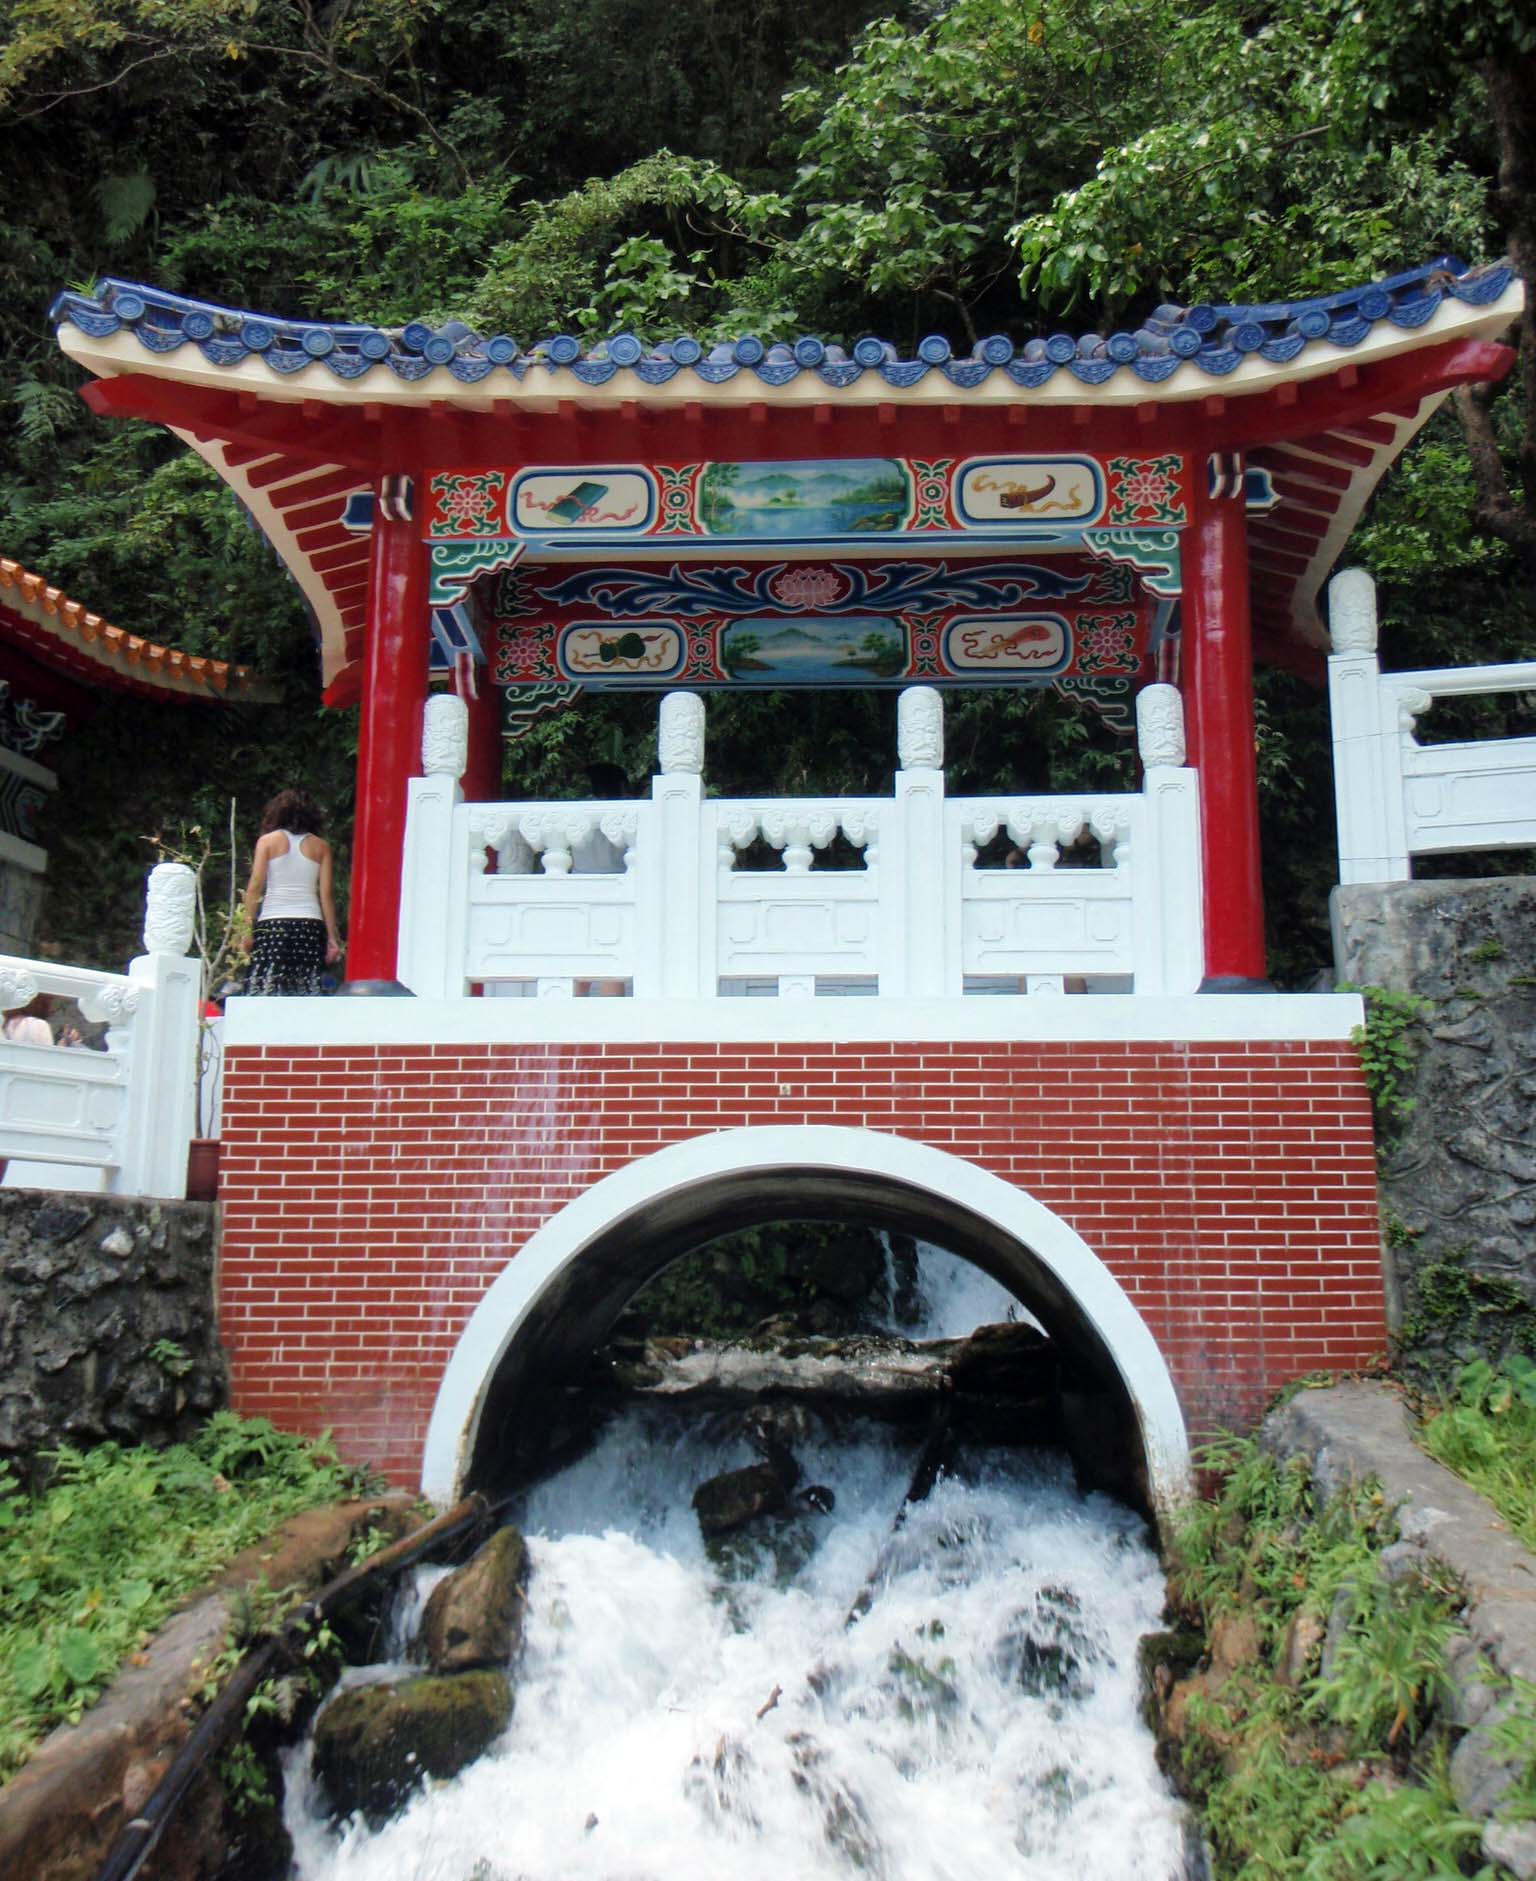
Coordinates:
388 737
482 773
1218 703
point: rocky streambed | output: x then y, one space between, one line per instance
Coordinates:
834 1630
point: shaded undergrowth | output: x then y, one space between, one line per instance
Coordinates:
1487 1435
95 1562
1312 1737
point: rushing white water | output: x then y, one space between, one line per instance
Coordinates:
683 1717
954 1297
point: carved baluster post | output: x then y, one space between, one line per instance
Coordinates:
1367 760
434 876
920 875
678 864
165 1002
1166 898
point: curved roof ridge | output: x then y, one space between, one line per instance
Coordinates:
143 664
1213 338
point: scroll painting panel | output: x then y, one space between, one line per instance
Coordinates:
865 623
812 500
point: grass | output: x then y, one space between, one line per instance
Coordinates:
95 1563
1487 1435
1336 1777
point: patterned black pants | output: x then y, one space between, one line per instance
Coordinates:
286 958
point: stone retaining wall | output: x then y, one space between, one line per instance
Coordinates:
1458 1178
106 1321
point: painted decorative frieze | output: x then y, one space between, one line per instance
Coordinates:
811 500
24 726
864 623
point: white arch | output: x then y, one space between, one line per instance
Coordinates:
513 1296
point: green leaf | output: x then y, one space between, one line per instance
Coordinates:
80 1656
32 1669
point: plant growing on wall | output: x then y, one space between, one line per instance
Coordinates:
1387 1049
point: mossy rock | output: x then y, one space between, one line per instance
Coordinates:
375 1744
474 1618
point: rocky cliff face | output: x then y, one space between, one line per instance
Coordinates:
106 1321
1459 1171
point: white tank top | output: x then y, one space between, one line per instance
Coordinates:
293 885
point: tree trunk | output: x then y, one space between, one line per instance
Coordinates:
1498 511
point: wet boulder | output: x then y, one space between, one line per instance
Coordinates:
376 1744
1046 1650
475 1617
728 1501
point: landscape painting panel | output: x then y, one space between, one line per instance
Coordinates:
847 497
850 650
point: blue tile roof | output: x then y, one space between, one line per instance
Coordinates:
1214 339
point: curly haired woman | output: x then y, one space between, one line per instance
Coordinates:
288 900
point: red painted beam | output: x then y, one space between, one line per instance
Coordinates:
340 438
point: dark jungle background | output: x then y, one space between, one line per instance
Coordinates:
790 166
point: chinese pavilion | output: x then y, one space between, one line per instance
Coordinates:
1088 512
434 1207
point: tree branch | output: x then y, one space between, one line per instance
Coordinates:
1495 511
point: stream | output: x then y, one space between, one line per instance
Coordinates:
688 1713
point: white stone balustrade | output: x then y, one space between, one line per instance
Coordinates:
670 897
118 1120
1397 798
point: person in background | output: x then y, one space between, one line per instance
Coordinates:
289 900
28 1025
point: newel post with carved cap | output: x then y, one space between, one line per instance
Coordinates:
161 1013
1165 859
677 953
919 883
1367 775
431 892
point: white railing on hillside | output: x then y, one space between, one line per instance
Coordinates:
127 1113
686 896
1397 798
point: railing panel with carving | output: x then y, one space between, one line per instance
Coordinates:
59 1105
561 904
1047 915
796 921
1395 797
683 896
128 1111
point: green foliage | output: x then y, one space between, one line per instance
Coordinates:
1453 1308
96 1562
172 1358
244 1778
1387 1048
1487 1435
1304 1780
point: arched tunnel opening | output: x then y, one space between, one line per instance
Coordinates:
545 1390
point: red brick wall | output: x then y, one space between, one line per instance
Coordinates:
371 1195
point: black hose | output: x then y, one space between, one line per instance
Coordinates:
136 1839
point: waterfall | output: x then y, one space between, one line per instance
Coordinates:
692 1710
